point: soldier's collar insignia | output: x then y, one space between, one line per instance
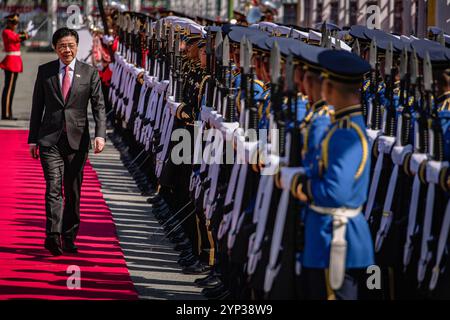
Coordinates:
348 111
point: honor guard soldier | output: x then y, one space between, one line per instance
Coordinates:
338 243
12 63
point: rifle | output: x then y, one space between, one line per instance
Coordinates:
276 85
249 96
435 198
177 67
374 113
281 263
229 111
209 70
218 72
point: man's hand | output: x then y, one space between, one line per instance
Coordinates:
99 144
34 151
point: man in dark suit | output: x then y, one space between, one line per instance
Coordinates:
59 135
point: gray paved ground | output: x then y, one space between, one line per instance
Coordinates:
149 256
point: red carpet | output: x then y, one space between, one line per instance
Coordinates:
27 270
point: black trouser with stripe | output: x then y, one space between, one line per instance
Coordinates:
8 93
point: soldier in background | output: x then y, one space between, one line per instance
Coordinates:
12 63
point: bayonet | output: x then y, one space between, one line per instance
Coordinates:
170 41
323 31
441 39
356 48
427 73
403 64
373 54
290 85
414 68
275 63
242 52
226 52
388 60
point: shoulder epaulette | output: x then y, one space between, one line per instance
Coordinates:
445 105
260 83
366 85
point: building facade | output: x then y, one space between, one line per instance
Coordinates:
399 16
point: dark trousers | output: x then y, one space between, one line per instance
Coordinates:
8 93
63 171
318 289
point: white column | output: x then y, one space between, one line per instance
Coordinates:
301 13
326 10
362 9
136 5
88 5
342 12
314 12
347 13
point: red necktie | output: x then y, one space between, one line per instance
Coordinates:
66 83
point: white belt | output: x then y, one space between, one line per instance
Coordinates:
338 251
441 247
13 53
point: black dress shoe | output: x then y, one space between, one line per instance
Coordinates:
185 245
177 239
214 292
199 280
53 244
154 199
149 193
69 246
210 282
197 268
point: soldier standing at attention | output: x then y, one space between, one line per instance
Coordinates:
338 243
12 64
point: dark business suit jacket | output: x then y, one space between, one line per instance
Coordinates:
49 110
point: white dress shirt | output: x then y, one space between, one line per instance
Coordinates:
62 71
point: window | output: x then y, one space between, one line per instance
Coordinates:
319 11
398 10
334 12
290 14
353 12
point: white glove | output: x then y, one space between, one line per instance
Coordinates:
30 26
107 39
32 33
